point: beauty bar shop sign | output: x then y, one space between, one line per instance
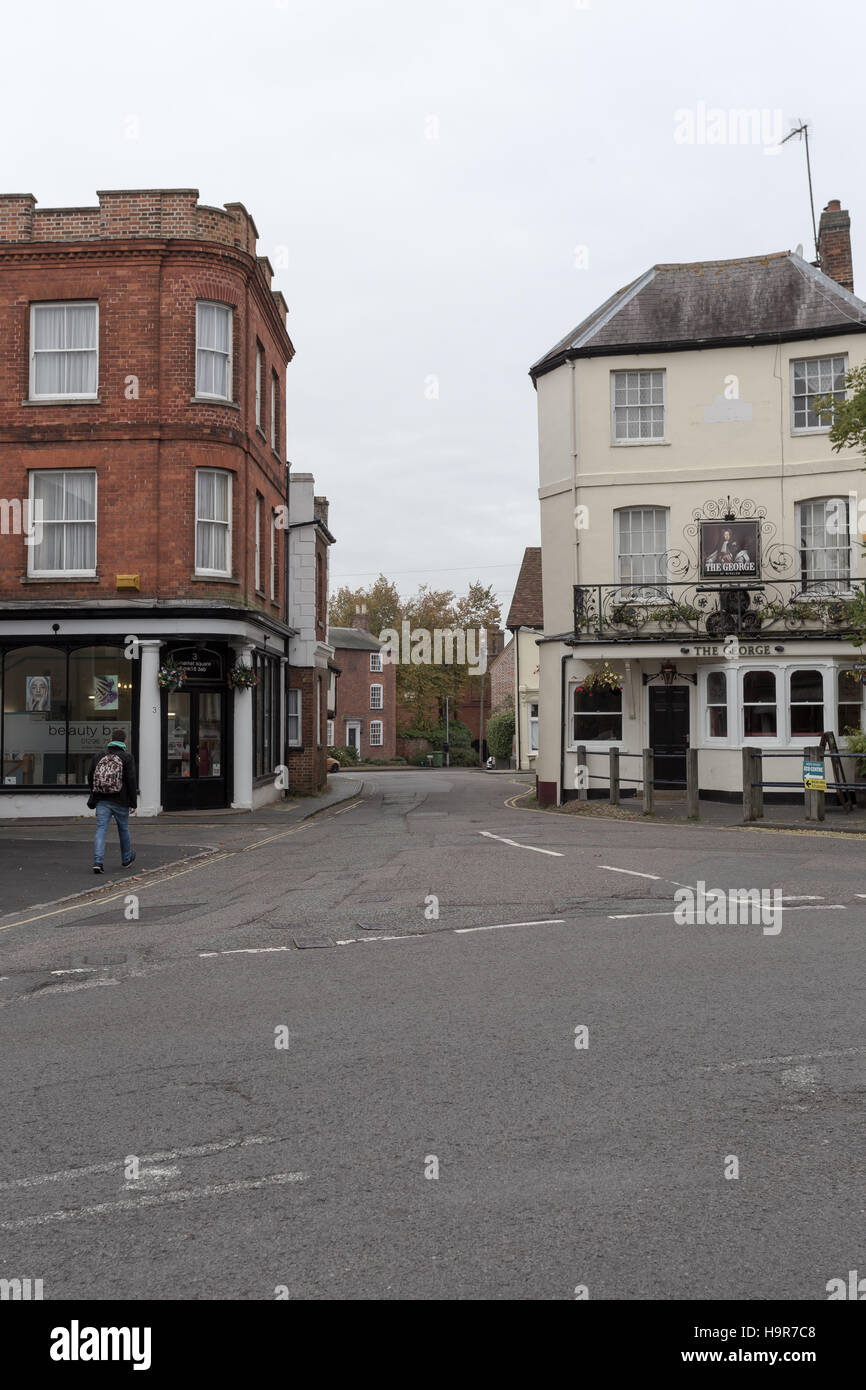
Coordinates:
729 549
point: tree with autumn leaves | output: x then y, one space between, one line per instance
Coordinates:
423 688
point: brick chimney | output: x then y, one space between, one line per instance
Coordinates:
360 618
320 509
834 244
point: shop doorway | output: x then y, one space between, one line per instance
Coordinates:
194 744
669 716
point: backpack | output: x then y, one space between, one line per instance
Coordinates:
108 775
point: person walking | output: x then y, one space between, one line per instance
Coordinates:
113 784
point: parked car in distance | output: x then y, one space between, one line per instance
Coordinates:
332 765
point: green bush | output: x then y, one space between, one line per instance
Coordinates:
459 736
463 757
345 756
855 742
500 735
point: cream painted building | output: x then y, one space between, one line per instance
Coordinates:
698 532
526 623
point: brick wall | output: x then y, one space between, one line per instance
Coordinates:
307 764
146 257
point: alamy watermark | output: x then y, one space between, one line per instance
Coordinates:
729 125
22 517
717 907
441 647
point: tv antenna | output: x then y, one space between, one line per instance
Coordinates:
803 129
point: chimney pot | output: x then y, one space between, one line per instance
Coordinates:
834 244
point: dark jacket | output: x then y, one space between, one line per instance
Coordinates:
128 794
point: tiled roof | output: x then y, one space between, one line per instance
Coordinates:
713 303
526 606
353 639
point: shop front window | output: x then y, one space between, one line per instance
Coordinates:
850 703
100 705
597 716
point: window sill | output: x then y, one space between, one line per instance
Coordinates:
213 578
215 400
60 578
640 443
276 455
260 432
63 400
815 429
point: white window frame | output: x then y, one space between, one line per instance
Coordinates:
824 587
293 712
591 745
837 671
330 733
380 741
259 362
636 371
212 573
532 726
705 737
638 586
273 556
227 309
783 738
375 662
258 542
820 357
275 386
805 665
32 571
381 690
62 304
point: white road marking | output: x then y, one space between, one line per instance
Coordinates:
800 1078
82 970
634 873
500 926
793 1057
197 1151
150 1177
624 916
801 907
154 1199
246 951
553 852
368 939
802 897
70 988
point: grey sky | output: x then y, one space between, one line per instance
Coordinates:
420 176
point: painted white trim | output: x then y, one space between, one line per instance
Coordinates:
227 572
818 357
62 304
625 371
210 395
62 575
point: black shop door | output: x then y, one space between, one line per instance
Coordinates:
669 733
194 750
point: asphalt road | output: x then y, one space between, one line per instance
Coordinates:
160 1141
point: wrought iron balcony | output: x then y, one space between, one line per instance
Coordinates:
686 611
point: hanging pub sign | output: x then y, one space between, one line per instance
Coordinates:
199 663
730 549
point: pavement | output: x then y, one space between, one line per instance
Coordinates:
428 1044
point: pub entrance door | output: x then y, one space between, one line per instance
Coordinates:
669 733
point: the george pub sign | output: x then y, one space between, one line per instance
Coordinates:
730 549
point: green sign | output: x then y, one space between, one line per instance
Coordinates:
813 775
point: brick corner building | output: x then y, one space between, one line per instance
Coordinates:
143 355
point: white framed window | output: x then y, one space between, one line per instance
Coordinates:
760 713
67 502
641 539
716 704
637 404
258 541
213 350
259 359
293 719
533 727
273 587
596 716
213 522
64 351
849 703
376 733
330 733
811 377
806 703
375 697
823 530
318 713
275 415
375 661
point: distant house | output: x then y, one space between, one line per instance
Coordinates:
310 656
526 621
365 709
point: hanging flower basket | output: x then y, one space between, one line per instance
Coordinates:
242 677
602 676
170 677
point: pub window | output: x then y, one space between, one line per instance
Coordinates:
533 728
850 703
825 543
641 545
807 703
759 704
638 406
812 377
596 716
717 704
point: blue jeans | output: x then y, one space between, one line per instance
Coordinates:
104 812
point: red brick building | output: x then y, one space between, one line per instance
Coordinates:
365 715
142 414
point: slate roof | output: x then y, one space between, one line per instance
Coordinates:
713 304
353 639
526 606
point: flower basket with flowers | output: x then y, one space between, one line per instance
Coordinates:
242 677
601 676
170 677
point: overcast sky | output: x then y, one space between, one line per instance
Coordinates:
422 177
